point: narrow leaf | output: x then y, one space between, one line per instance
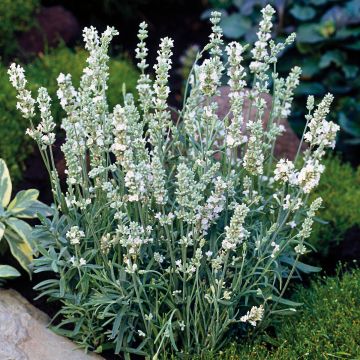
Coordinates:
2 230
299 265
284 301
5 184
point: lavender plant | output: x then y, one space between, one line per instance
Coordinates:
166 241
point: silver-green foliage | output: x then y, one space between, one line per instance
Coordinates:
166 242
13 230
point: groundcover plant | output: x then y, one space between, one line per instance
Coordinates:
174 235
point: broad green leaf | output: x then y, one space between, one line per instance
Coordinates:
8 272
351 127
2 230
310 67
353 46
302 12
334 56
5 184
22 228
309 33
21 250
36 208
350 71
346 34
23 200
235 26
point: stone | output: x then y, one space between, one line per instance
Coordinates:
286 145
24 334
54 23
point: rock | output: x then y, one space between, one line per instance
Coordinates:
286 145
24 335
54 23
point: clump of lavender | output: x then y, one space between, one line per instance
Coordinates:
165 240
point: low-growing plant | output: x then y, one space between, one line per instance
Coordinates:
327 326
15 147
15 233
166 242
340 189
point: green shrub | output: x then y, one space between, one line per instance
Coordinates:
340 189
15 146
15 16
329 324
327 327
327 49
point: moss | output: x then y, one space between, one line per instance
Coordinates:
327 326
340 190
14 145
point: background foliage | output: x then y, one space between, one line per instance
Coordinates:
15 16
327 49
15 146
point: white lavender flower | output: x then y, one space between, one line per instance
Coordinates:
209 76
105 244
158 180
300 249
216 41
306 226
309 176
285 171
284 93
187 193
254 315
236 73
26 104
261 58
43 133
141 333
254 157
213 207
160 121
321 133
181 325
74 235
159 258
144 82
235 233
133 237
